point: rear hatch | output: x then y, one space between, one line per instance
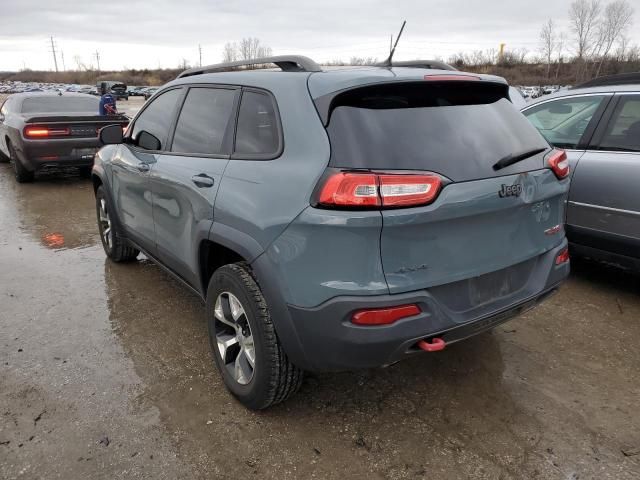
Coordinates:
495 207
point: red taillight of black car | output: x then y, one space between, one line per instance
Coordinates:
559 163
378 190
46 132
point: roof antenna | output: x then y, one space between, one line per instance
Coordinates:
387 62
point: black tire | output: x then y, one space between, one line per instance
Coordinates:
21 173
274 378
116 247
85 172
3 157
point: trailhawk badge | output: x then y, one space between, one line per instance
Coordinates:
510 190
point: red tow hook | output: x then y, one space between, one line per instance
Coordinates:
435 345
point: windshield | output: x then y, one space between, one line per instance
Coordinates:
457 131
60 104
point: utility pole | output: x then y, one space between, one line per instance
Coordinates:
391 44
200 52
53 50
64 68
98 59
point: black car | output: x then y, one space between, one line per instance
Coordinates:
117 89
39 130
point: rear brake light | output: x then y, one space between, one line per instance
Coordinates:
559 163
563 257
350 190
45 132
447 78
346 189
384 316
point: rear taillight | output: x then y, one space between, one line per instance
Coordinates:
384 316
46 132
563 257
351 189
559 163
408 190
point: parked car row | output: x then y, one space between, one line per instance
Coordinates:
532 92
9 87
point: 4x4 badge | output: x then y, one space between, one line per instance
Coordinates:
510 190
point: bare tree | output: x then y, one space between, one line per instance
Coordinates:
230 52
617 20
548 43
562 38
362 61
250 48
583 18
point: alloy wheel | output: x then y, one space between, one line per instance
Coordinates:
105 224
234 339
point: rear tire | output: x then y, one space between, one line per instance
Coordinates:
21 173
241 332
116 247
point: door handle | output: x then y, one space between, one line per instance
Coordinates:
203 180
143 167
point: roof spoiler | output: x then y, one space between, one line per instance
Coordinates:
428 64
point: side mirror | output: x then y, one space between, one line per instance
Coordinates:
148 141
111 135
560 108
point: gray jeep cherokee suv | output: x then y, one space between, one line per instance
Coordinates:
336 219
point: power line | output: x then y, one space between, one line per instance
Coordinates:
53 50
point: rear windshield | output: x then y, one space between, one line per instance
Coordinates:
60 104
457 129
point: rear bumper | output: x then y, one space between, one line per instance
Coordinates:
331 342
39 154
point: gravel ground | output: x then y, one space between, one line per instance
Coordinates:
105 372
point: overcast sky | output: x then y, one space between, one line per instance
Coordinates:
160 33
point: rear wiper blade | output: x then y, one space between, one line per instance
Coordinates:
511 159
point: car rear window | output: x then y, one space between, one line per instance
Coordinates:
257 133
457 129
60 104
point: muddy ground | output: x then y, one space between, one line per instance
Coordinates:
105 373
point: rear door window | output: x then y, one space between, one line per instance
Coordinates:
623 131
258 130
60 104
456 129
156 119
204 121
563 122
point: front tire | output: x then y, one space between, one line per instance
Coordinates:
21 173
116 247
244 343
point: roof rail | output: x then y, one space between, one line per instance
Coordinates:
287 63
608 80
430 64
